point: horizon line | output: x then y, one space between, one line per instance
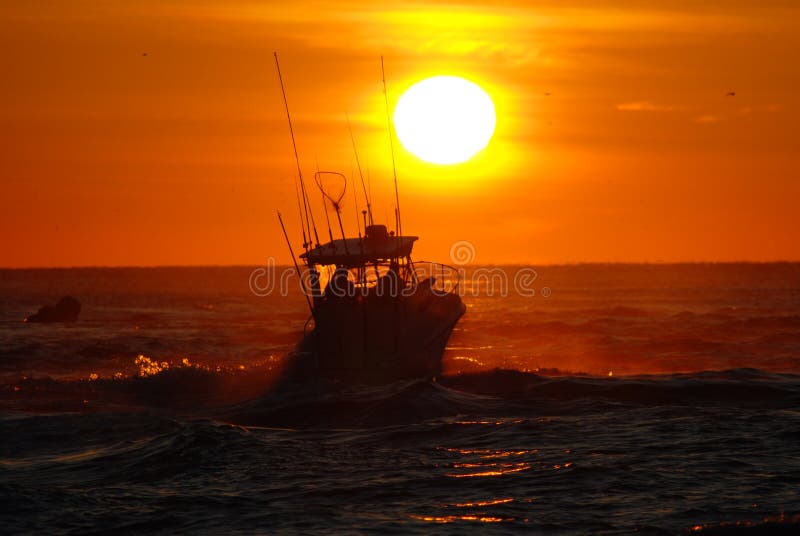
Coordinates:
545 264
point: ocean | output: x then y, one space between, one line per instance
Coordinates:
598 399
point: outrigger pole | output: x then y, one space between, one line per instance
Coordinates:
296 267
306 202
391 147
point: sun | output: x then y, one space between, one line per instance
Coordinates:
444 119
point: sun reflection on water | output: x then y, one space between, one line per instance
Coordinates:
483 463
492 463
485 503
453 518
498 470
151 367
494 423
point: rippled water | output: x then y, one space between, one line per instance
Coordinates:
158 412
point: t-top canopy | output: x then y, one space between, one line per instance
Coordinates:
351 252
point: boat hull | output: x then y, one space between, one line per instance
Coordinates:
377 340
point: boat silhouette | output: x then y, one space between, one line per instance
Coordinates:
379 317
376 316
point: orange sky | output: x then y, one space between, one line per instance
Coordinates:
109 157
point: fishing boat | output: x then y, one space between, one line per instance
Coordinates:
376 316
379 317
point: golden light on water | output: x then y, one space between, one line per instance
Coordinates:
453 518
497 469
445 119
491 463
150 367
485 503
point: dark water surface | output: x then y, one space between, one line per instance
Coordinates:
656 399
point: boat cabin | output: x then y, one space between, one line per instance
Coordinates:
378 262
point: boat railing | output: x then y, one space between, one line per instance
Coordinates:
445 279
434 277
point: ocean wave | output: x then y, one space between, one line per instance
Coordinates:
184 387
256 396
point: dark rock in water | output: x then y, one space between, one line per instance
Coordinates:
66 310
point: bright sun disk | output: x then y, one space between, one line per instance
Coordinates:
444 119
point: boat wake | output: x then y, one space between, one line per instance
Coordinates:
253 398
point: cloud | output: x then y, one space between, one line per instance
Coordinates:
707 119
748 110
644 106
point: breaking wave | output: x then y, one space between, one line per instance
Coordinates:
256 396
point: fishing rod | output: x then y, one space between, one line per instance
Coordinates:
358 223
300 211
369 184
325 207
313 223
306 201
399 226
296 267
358 163
327 219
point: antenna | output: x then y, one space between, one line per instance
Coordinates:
306 203
360 174
391 147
